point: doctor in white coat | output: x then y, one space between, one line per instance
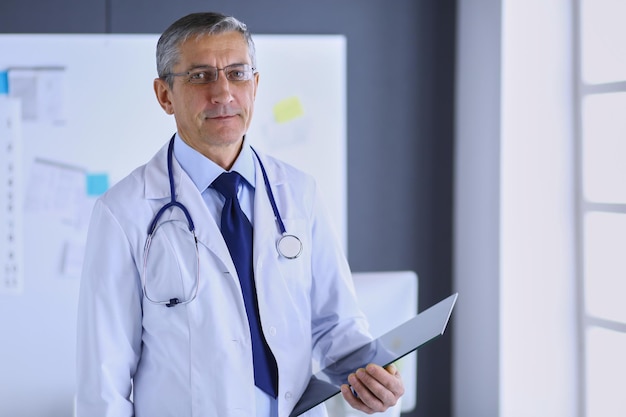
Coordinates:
138 357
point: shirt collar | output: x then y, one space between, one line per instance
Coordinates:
203 171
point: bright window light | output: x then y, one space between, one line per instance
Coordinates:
603 46
606 373
605 266
604 147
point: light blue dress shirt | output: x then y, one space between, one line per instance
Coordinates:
203 172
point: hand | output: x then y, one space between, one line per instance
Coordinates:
373 389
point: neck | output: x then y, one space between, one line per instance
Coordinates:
223 155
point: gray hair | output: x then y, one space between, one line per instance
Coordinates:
196 24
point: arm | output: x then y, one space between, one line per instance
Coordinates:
338 324
109 321
338 318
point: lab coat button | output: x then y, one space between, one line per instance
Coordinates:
288 395
272 331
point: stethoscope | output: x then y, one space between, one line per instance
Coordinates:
288 245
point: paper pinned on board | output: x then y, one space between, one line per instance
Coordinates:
97 184
42 92
11 232
55 189
288 109
4 82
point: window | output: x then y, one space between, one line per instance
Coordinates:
601 166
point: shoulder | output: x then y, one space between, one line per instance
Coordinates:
146 181
281 172
128 188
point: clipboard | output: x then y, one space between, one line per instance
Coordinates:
384 350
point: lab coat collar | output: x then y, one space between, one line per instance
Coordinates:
265 226
203 171
156 180
157 188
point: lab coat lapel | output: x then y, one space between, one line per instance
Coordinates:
266 231
207 230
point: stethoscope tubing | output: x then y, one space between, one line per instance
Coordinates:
174 203
270 195
289 246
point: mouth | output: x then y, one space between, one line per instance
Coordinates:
220 114
221 117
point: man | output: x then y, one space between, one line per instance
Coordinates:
188 306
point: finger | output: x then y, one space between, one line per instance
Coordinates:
388 378
382 387
351 396
370 391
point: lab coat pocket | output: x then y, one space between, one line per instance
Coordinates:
170 269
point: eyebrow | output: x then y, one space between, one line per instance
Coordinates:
200 66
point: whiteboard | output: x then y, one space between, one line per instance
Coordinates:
88 117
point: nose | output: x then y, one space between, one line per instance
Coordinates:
220 89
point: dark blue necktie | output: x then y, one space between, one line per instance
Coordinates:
237 232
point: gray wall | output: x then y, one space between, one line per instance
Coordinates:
400 124
477 268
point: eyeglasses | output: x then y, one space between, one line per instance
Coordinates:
205 75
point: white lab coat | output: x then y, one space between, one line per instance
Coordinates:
195 360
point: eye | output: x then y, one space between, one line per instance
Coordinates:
199 76
237 73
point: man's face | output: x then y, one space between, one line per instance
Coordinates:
212 118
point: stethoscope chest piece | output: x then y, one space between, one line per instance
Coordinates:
289 246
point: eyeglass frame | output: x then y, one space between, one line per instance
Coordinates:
247 68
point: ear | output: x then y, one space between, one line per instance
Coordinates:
256 83
162 91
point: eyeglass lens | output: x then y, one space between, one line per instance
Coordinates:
235 72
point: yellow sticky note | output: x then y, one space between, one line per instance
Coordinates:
288 109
